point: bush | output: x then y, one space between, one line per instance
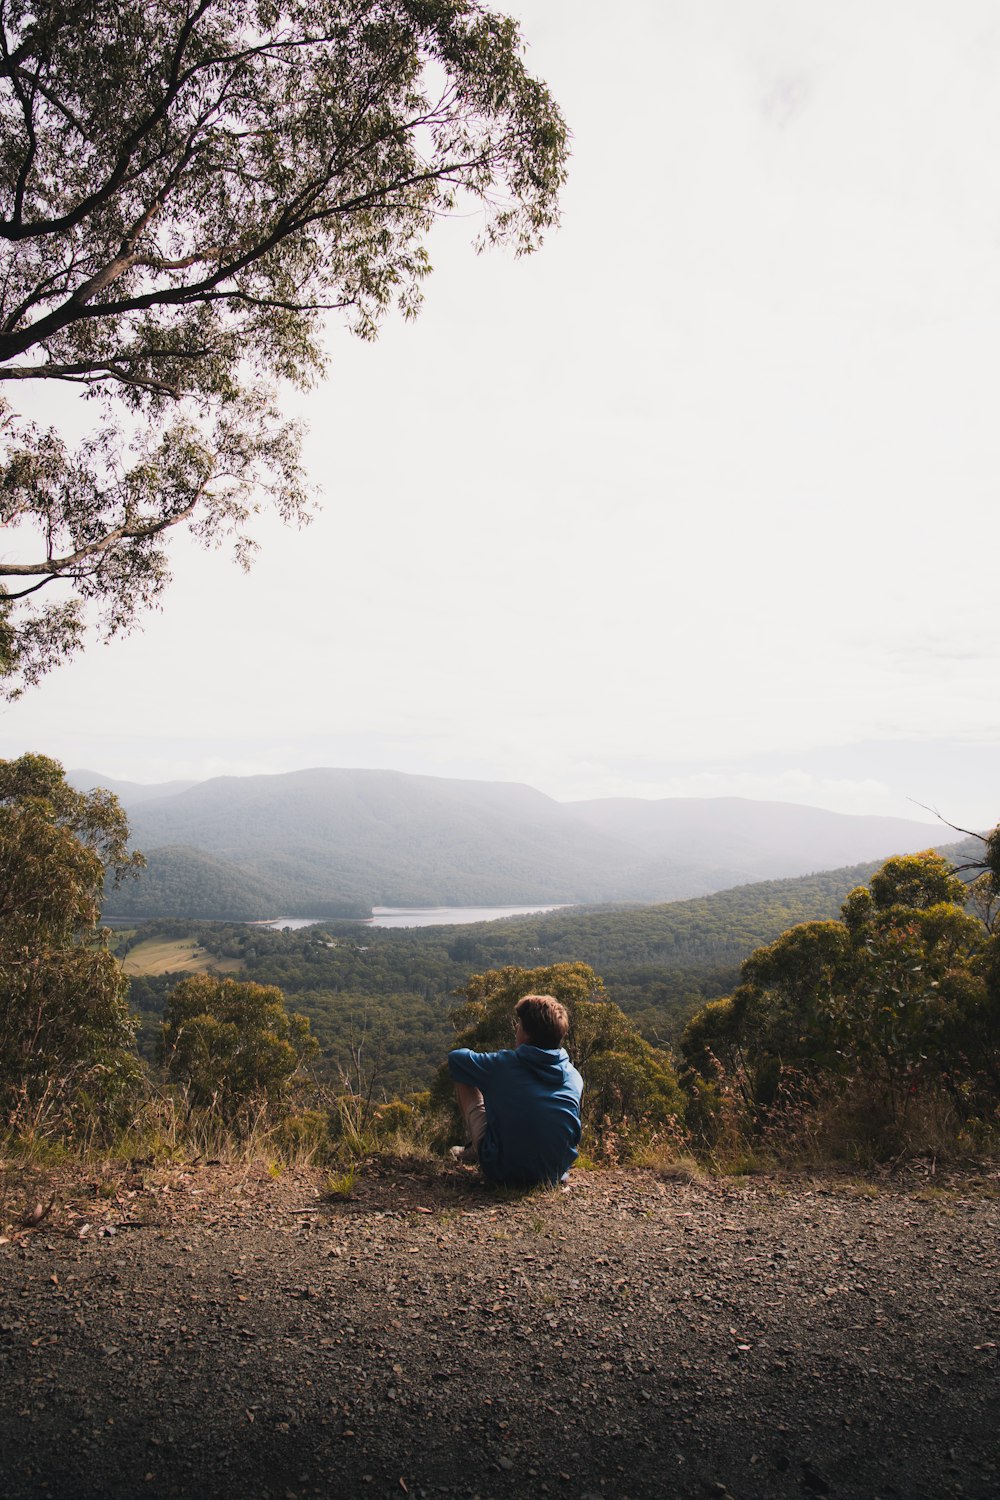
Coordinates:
630 1087
233 1046
895 1010
305 1134
67 1056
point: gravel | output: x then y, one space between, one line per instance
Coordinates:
214 1332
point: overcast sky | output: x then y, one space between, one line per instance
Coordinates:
700 500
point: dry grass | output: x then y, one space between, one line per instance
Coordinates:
669 1164
175 956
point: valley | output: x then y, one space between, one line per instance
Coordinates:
394 990
335 844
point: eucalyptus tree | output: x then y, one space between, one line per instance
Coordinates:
66 1031
233 1045
187 189
630 1092
901 997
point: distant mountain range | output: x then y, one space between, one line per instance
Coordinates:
337 842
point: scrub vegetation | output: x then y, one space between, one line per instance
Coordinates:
871 1033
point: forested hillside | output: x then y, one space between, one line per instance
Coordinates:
863 987
178 881
129 793
181 882
371 838
391 991
338 842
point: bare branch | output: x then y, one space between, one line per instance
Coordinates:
953 826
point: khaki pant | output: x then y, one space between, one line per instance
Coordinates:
473 1109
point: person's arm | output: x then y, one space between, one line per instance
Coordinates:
466 1066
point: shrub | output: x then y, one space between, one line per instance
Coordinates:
895 1009
304 1134
630 1087
67 1057
233 1046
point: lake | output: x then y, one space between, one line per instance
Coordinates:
278 924
422 916
446 916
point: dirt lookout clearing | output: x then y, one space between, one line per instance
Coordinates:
214 1332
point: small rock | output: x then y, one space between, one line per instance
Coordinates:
506 1463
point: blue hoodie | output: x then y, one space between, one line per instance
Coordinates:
532 1098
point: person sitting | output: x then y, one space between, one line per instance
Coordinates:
521 1106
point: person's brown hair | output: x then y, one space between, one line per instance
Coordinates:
544 1020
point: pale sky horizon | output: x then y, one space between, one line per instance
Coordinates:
700 500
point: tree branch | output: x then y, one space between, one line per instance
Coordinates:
126 152
69 565
11 230
27 113
953 826
77 308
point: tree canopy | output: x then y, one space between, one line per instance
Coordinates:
187 188
232 1044
902 995
630 1090
66 1032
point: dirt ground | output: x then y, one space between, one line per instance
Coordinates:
213 1332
